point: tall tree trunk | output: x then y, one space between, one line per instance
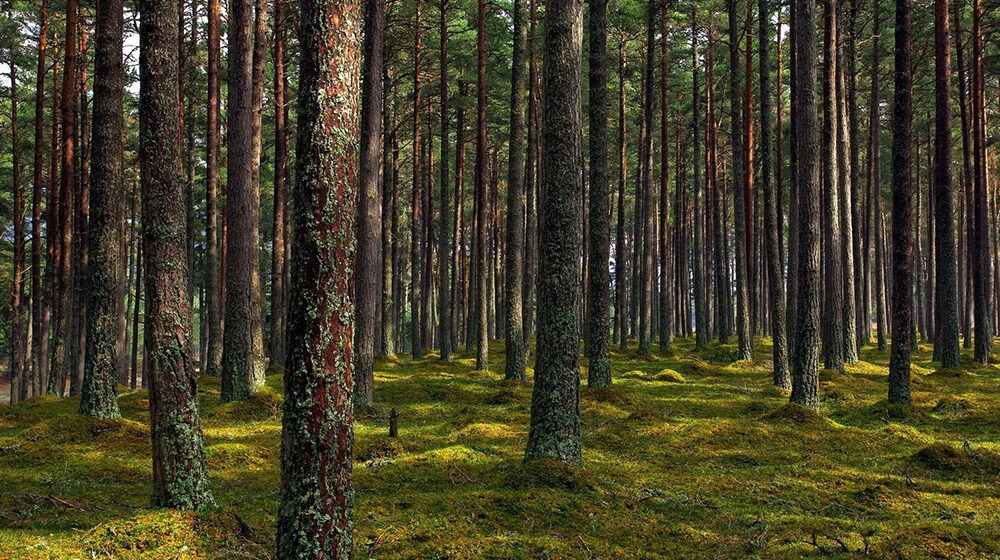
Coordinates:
846 201
482 341
599 289
213 283
445 271
242 367
862 302
555 401
621 250
20 331
875 180
981 251
833 335
946 294
665 308
902 210
279 266
967 181
743 333
805 368
314 519
63 224
701 330
107 278
772 225
531 189
514 269
645 222
180 478
81 211
416 342
40 308
369 257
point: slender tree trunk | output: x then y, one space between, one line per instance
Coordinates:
514 269
743 333
846 201
369 258
833 297
76 344
555 400
180 478
665 308
701 330
875 179
772 224
599 289
445 301
416 342
242 367
20 331
805 368
981 247
531 190
621 250
106 282
314 520
213 290
967 182
279 289
40 307
482 340
902 210
946 294
63 224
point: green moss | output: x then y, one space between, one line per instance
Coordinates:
670 376
715 467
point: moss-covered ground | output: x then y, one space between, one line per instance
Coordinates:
689 456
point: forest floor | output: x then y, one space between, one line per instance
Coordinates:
689 456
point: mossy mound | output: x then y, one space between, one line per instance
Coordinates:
949 373
833 376
480 432
931 541
839 395
952 404
74 428
670 376
263 404
891 412
209 383
134 402
798 415
382 448
550 473
751 366
940 456
502 397
609 395
755 408
634 374
235 455
160 535
693 366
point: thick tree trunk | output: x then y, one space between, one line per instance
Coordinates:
902 210
805 369
555 400
242 362
369 256
315 519
107 279
180 478
514 266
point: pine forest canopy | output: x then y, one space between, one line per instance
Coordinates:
352 213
